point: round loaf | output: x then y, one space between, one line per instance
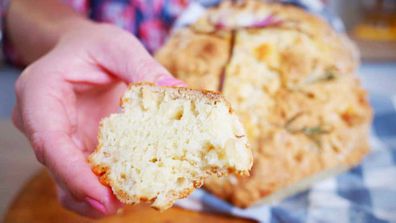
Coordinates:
292 81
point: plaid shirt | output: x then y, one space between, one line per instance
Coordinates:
149 20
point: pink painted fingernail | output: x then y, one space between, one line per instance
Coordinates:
180 83
165 81
96 204
170 81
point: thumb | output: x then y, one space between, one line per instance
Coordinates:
128 60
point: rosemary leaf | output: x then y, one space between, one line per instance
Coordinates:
328 76
314 131
292 119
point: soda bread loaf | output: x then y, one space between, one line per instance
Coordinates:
166 141
292 81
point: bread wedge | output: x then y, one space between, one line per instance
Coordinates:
166 142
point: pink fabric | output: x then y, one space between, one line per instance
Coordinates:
149 20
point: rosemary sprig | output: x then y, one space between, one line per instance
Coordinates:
329 75
313 133
292 119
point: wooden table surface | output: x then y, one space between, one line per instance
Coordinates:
37 203
29 201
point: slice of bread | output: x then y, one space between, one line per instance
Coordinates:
166 141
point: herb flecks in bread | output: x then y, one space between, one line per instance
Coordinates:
166 141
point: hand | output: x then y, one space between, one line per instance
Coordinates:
62 97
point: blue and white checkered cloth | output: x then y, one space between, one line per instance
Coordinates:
364 194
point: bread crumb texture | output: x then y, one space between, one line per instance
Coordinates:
166 141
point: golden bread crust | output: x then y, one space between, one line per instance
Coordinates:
293 84
199 53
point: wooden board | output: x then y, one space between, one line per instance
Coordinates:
37 203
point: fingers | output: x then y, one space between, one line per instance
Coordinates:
58 152
89 207
80 207
127 59
46 111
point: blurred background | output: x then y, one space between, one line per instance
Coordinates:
371 24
